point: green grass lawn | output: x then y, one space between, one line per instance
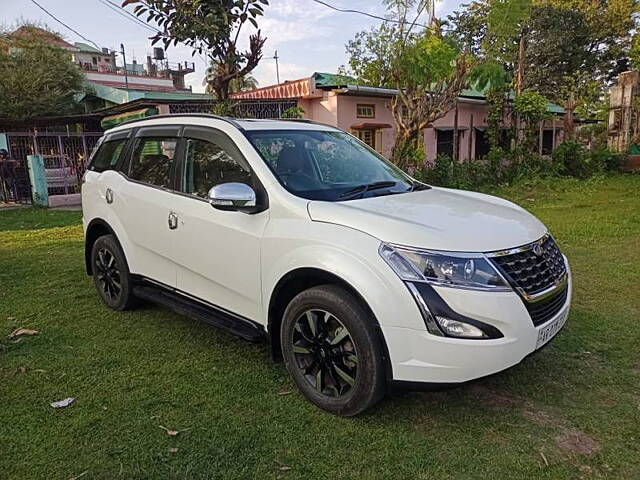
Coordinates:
572 411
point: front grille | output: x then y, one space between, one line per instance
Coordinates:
534 268
544 310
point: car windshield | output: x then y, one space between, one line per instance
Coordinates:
328 165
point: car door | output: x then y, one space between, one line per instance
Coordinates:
145 202
218 252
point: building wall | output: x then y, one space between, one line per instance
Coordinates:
341 111
87 57
323 109
347 118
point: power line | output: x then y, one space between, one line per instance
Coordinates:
366 14
126 14
64 24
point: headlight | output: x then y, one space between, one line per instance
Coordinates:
452 269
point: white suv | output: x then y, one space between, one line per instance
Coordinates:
359 276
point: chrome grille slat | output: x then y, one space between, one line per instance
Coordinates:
531 274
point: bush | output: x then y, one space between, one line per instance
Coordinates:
500 167
575 161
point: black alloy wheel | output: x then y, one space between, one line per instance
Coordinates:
111 274
325 353
333 350
108 274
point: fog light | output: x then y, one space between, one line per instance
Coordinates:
459 329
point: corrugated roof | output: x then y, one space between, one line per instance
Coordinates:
83 47
332 79
122 95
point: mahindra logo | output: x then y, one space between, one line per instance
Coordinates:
538 250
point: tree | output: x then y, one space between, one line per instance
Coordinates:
426 68
243 84
607 28
429 73
371 55
211 28
37 78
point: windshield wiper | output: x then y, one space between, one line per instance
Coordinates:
362 189
417 186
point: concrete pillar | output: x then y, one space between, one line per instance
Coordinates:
38 180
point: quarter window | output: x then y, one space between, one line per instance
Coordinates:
108 155
152 161
365 110
207 165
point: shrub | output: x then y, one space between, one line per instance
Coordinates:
572 160
575 161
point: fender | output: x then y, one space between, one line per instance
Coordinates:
374 281
104 225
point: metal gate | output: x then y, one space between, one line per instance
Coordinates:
65 158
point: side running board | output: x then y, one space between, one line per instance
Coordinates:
193 309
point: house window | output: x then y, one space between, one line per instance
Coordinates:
365 111
367 136
444 142
94 60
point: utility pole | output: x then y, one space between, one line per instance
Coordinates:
276 58
124 61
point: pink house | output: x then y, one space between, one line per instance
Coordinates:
366 112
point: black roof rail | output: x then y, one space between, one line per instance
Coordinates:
229 120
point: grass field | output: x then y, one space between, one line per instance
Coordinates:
572 411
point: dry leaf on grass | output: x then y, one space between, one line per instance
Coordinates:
282 467
173 450
22 331
63 403
286 392
172 433
81 475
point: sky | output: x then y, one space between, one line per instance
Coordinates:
308 37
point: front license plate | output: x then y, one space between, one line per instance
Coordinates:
547 333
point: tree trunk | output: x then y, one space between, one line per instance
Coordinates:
569 121
406 150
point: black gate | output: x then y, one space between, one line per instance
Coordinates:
65 158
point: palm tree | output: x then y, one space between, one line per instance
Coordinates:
243 84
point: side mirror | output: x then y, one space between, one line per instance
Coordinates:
232 196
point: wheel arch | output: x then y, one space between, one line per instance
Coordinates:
299 280
97 228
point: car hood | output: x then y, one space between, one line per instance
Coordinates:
438 219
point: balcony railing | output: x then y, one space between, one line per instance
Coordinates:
163 72
110 69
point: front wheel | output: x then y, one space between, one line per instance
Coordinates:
332 351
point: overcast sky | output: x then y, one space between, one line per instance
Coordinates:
308 37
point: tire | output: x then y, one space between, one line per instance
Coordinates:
111 274
325 329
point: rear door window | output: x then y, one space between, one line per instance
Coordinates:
108 155
153 161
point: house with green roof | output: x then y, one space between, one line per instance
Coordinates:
365 111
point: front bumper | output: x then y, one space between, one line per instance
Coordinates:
419 356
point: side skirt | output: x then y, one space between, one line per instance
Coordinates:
197 310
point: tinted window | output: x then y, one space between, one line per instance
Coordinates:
207 165
152 161
108 155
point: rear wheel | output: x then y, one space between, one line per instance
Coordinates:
332 350
111 274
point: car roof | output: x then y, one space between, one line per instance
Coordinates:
247 124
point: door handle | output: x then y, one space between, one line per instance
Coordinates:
108 196
173 221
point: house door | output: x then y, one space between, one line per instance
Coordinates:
368 136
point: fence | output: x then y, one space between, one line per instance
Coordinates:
65 157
